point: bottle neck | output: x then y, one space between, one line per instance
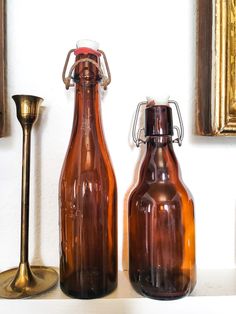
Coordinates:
87 137
87 142
159 141
160 163
87 98
87 108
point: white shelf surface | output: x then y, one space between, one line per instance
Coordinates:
215 293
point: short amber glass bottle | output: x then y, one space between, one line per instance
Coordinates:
87 193
161 217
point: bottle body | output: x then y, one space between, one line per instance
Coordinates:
161 227
88 200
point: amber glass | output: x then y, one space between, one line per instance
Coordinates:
161 227
88 198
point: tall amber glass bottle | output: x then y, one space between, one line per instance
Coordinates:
161 216
87 193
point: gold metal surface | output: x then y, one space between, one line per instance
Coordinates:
224 65
232 57
216 68
26 281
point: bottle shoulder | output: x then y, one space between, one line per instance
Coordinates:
74 172
160 192
87 155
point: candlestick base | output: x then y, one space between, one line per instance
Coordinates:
26 281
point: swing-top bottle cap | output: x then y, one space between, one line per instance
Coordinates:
162 100
87 43
158 117
86 46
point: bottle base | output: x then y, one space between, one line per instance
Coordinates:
86 296
91 288
161 285
160 296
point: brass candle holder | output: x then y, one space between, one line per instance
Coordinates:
26 281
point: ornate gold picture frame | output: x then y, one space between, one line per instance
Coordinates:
216 68
2 68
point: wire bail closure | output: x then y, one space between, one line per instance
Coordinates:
137 134
106 77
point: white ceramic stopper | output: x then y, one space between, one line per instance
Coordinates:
87 43
161 100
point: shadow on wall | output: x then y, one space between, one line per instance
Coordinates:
142 148
235 237
38 132
7 141
8 130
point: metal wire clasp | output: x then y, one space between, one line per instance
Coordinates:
106 77
180 129
137 134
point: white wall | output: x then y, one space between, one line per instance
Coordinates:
150 47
